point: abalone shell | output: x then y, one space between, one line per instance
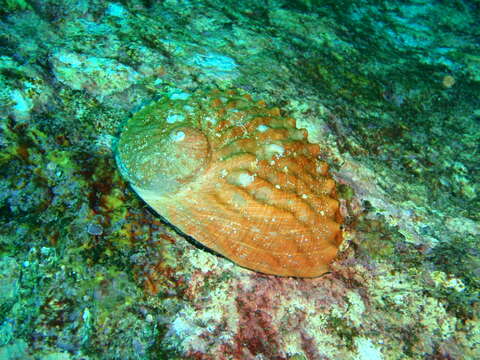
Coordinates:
237 176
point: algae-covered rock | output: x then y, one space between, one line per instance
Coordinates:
100 77
389 91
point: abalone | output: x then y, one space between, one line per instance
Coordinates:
237 176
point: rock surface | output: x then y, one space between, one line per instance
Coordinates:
388 90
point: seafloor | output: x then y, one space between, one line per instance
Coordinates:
389 89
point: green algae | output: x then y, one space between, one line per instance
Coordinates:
459 259
344 331
14 5
377 241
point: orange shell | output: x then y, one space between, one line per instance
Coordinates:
236 176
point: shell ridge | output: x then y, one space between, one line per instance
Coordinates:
241 161
293 215
294 184
220 197
310 195
248 143
198 213
279 192
267 209
220 220
252 196
295 176
289 166
232 128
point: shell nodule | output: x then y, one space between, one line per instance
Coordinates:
236 176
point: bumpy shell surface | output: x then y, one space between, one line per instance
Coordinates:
237 177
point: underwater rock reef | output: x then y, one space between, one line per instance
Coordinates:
388 94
